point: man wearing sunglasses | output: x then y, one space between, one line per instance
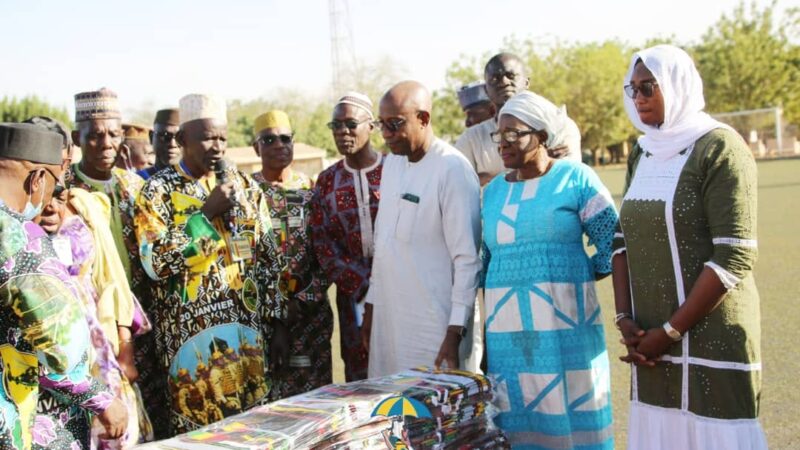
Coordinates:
426 266
303 284
44 339
505 75
162 137
343 214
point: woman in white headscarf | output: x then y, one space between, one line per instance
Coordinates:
687 304
544 333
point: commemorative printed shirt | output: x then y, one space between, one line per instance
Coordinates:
215 293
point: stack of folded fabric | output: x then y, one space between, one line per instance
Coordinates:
416 409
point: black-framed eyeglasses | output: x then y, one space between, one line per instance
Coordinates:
394 125
269 139
351 124
646 88
165 137
509 136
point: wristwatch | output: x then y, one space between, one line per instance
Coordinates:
673 334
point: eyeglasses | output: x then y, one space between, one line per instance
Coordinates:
351 124
165 137
647 88
269 139
392 125
509 136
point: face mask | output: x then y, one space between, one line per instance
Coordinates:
31 211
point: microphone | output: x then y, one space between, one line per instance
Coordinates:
222 170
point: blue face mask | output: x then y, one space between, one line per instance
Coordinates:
31 211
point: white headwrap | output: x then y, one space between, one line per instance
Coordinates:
540 113
358 100
682 89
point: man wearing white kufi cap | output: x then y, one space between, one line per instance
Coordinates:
343 230
206 240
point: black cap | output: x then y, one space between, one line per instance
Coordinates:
27 142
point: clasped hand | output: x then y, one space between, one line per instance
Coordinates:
645 347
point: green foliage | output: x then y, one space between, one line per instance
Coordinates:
587 78
308 118
17 110
748 61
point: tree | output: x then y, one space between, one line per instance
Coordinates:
14 110
748 61
587 78
447 117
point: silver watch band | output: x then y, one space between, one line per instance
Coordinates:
674 334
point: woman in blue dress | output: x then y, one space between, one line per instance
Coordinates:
544 332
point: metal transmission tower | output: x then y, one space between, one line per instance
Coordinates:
343 56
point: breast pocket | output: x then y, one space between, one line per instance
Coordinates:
406 220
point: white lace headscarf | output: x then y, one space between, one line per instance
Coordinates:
540 113
682 89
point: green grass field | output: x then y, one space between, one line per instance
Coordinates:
778 280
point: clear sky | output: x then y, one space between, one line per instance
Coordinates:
153 52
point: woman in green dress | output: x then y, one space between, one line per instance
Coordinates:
687 304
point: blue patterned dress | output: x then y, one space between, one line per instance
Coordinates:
544 331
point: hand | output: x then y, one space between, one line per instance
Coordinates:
221 199
279 346
366 326
631 336
448 352
654 343
558 152
114 419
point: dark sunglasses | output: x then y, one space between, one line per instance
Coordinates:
647 88
165 137
351 124
509 136
392 125
269 139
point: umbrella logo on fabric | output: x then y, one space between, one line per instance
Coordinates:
402 406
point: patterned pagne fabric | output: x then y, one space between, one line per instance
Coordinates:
44 340
213 304
122 190
303 284
345 205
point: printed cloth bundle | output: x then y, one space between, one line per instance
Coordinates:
418 409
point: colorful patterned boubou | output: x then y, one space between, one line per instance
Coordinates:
215 293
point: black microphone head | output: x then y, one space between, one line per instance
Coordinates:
223 168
